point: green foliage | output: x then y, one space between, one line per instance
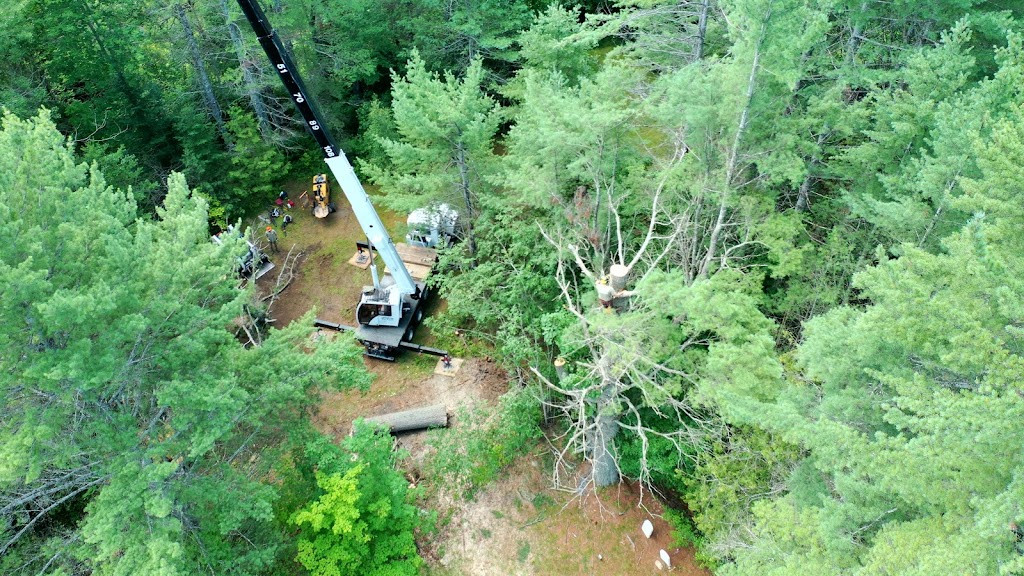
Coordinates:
257 167
376 124
446 126
457 33
742 466
684 532
20 90
132 419
666 464
909 408
547 45
362 521
101 75
490 441
122 171
506 288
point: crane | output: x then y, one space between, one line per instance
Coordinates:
392 305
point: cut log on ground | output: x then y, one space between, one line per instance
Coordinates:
417 419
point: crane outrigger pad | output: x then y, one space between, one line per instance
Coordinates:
361 259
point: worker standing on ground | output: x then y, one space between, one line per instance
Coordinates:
284 223
272 238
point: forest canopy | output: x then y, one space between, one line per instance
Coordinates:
772 247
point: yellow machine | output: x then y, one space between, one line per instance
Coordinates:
322 205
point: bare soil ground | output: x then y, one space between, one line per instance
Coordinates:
517 525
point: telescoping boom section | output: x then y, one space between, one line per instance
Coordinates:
383 305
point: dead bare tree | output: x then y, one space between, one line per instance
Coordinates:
273 114
199 66
697 227
615 382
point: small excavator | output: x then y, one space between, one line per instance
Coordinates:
390 309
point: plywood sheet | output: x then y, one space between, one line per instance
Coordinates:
362 264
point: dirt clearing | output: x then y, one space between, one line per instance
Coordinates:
517 524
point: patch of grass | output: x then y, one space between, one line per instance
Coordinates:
431 570
542 500
446 518
485 532
498 514
422 363
523 552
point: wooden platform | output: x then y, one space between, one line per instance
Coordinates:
418 261
416 254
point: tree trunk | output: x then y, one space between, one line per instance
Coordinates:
416 419
602 442
252 89
463 164
205 86
854 42
801 198
733 161
702 26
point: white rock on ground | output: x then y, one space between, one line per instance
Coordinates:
647 528
665 558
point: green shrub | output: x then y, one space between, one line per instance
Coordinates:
491 440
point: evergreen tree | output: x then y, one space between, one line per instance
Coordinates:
134 436
447 126
909 408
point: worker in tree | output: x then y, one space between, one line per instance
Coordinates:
605 294
272 238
